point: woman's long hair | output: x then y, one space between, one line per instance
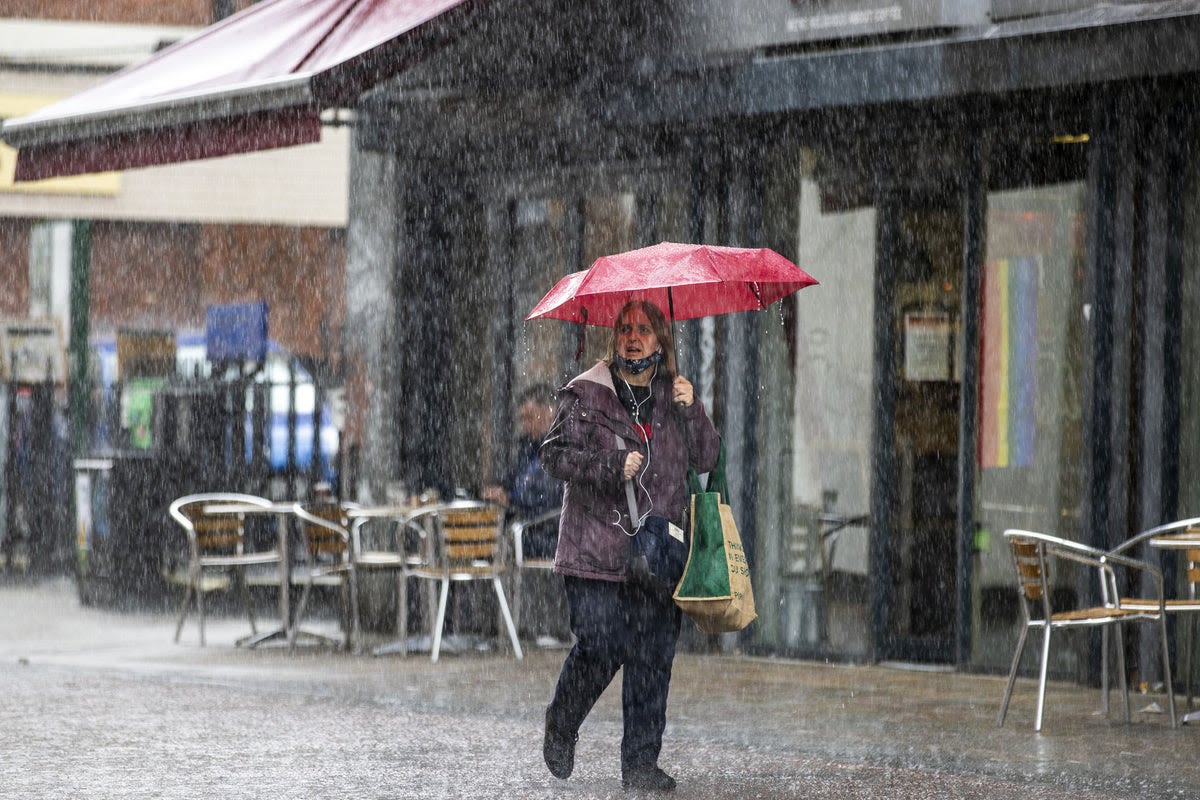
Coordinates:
660 326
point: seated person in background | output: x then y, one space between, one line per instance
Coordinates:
525 489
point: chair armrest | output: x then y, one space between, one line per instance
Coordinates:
518 529
1101 560
1137 540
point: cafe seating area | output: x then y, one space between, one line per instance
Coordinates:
1038 559
1150 578
316 553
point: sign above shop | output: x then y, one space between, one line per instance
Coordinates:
730 27
1008 9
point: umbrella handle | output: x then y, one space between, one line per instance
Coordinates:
581 342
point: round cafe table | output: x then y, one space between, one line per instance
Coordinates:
287 630
1185 540
394 558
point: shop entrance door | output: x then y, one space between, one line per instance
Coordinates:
922 236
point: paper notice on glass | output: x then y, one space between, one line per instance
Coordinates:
927 342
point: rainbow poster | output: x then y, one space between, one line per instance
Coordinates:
1008 363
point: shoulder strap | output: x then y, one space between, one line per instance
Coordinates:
716 478
633 513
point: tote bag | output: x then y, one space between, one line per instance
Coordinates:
715 590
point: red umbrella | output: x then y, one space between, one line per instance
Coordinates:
685 280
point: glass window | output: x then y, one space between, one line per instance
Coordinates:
811 574
540 258
1031 362
1189 356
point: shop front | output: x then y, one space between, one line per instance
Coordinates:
935 400
996 341
998 200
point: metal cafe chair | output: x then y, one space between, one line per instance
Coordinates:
217 543
1182 536
328 550
389 539
1037 557
542 524
465 544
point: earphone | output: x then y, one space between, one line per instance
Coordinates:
649 453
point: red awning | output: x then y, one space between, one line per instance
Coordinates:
254 81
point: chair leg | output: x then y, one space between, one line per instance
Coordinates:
183 611
355 634
1121 676
1166 651
299 616
1012 675
508 619
1188 654
402 611
1104 682
1045 666
200 605
241 579
441 619
517 580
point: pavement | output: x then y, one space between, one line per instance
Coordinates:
99 703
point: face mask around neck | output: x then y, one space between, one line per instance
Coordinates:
639 365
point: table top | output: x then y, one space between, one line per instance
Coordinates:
1177 541
277 507
368 512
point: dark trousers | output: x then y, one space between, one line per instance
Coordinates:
619 625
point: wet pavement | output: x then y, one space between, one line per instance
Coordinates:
102 704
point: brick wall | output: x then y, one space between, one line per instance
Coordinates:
145 12
155 276
147 275
14 268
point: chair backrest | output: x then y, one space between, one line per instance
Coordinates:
1033 577
1193 566
325 529
210 529
1037 555
1030 560
470 532
1192 554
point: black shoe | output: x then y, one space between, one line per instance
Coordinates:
558 748
651 778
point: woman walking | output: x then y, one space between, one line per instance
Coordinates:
629 418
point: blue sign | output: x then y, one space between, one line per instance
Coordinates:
236 332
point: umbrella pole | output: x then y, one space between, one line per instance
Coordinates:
671 309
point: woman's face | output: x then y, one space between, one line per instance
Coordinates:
635 336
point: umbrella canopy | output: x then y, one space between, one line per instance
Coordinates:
253 81
684 280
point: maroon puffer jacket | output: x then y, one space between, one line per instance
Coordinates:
581 450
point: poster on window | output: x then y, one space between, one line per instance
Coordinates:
928 337
1008 352
32 351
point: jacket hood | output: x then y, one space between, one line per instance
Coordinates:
598 374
